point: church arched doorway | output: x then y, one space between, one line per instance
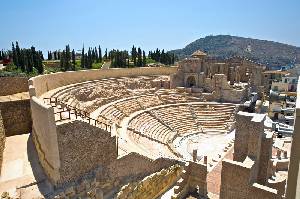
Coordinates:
191 81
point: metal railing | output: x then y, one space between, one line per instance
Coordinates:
65 112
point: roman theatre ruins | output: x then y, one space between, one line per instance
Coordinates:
156 132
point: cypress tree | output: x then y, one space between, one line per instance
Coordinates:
100 54
18 54
67 58
73 59
28 60
144 58
55 55
133 55
139 58
82 58
14 55
62 61
96 55
39 61
105 55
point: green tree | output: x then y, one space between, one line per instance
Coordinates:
105 55
139 58
14 54
144 58
73 59
18 55
100 54
82 58
68 58
133 55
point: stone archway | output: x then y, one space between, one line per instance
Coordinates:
191 81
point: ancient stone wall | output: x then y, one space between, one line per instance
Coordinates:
2 141
241 138
45 138
127 169
265 156
44 83
246 176
134 164
293 182
193 177
12 85
235 182
16 116
83 147
152 186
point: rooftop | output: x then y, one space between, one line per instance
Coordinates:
198 53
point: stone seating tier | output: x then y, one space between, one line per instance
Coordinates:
214 120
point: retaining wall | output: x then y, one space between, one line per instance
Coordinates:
16 116
45 137
12 85
82 148
134 164
152 186
44 83
236 183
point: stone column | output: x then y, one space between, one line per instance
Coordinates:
99 194
205 159
195 155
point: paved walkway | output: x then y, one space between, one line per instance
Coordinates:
22 175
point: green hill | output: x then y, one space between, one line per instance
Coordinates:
223 46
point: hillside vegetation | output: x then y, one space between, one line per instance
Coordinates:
223 46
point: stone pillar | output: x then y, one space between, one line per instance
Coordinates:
274 169
285 154
205 159
278 154
99 194
194 155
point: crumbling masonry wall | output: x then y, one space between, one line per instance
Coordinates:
235 183
246 176
13 85
127 169
152 186
16 116
135 165
15 105
83 147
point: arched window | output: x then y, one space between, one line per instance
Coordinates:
191 81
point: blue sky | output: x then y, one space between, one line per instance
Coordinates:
168 24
